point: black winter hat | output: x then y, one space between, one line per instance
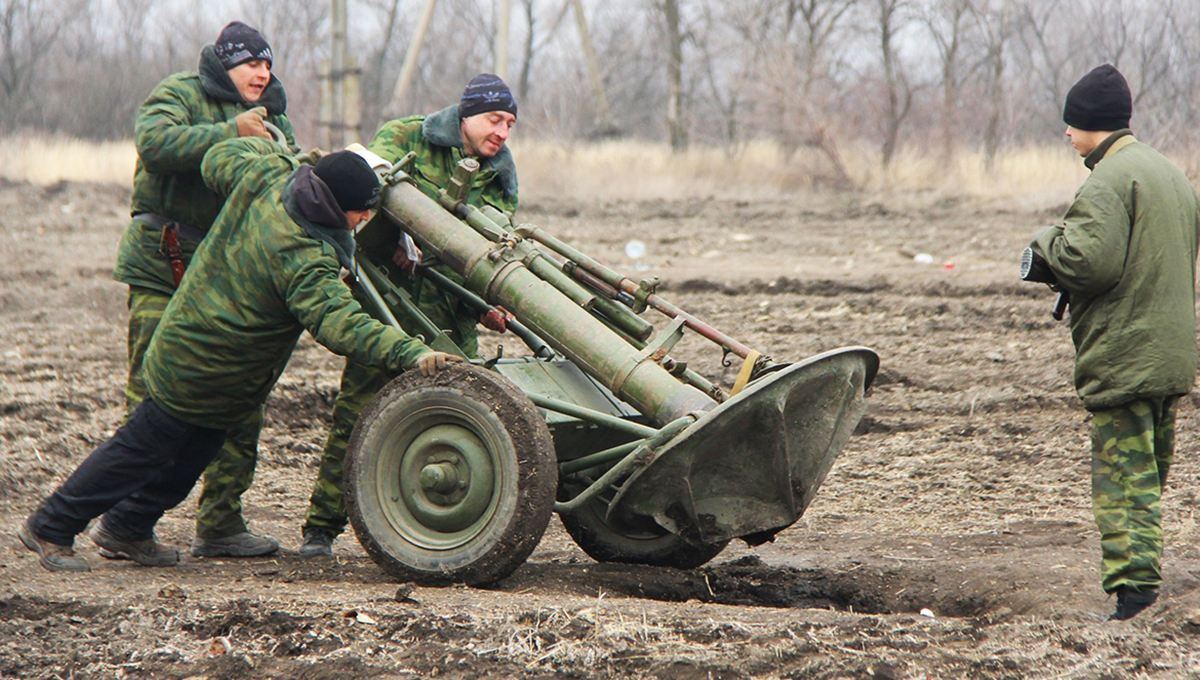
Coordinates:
1100 101
351 179
486 92
239 43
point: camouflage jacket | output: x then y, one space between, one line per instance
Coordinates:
1126 252
257 281
185 115
436 139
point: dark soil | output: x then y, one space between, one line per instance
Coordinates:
953 537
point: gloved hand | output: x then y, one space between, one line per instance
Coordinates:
250 123
313 155
429 364
496 319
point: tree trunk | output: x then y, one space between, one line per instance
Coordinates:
676 128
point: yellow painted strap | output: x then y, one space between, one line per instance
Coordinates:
744 374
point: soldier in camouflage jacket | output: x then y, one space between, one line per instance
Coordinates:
186 114
478 126
268 271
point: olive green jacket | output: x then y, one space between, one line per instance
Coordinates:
257 281
185 115
437 142
1126 253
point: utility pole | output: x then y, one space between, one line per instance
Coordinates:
502 21
409 67
340 76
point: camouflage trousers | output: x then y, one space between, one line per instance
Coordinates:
327 506
1132 448
232 471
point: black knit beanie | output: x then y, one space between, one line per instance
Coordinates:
351 179
239 43
1100 101
486 92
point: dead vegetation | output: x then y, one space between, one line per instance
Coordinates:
953 538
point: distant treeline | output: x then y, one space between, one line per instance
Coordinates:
940 75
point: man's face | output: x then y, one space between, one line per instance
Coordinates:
1084 141
251 78
484 134
357 217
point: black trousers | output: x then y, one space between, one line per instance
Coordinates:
148 467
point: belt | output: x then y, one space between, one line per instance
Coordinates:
157 221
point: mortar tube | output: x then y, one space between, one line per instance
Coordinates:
689 376
479 305
626 285
547 270
500 278
615 315
618 314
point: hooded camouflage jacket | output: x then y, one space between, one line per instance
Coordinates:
1126 253
437 141
257 281
185 115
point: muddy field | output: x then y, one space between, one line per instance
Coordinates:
953 538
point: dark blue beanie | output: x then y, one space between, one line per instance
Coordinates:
239 43
486 92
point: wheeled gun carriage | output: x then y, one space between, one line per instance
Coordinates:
453 478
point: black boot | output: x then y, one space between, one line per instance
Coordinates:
1131 602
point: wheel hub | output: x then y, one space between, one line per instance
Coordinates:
446 478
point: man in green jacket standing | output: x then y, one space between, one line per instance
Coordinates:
267 271
478 126
231 95
1126 255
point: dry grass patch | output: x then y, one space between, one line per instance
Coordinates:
42 160
634 170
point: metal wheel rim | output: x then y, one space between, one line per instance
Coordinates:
409 508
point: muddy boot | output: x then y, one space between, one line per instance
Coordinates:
245 544
1131 602
147 552
52 556
318 542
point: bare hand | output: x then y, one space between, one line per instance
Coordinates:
433 362
402 259
496 319
250 123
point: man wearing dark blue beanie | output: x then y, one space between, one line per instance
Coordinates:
478 126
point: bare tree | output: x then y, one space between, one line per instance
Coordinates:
996 26
29 30
948 22
889 19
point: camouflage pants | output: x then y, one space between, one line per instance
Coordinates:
1132 447
327 506
232 471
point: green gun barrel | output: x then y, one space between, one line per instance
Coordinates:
497 273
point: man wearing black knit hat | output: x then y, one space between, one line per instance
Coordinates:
268 271
233 93
477 127
1125 254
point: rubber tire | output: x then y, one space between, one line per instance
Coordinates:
647 543
525 468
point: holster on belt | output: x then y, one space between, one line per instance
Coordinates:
168 245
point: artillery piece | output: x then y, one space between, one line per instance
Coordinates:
453 478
